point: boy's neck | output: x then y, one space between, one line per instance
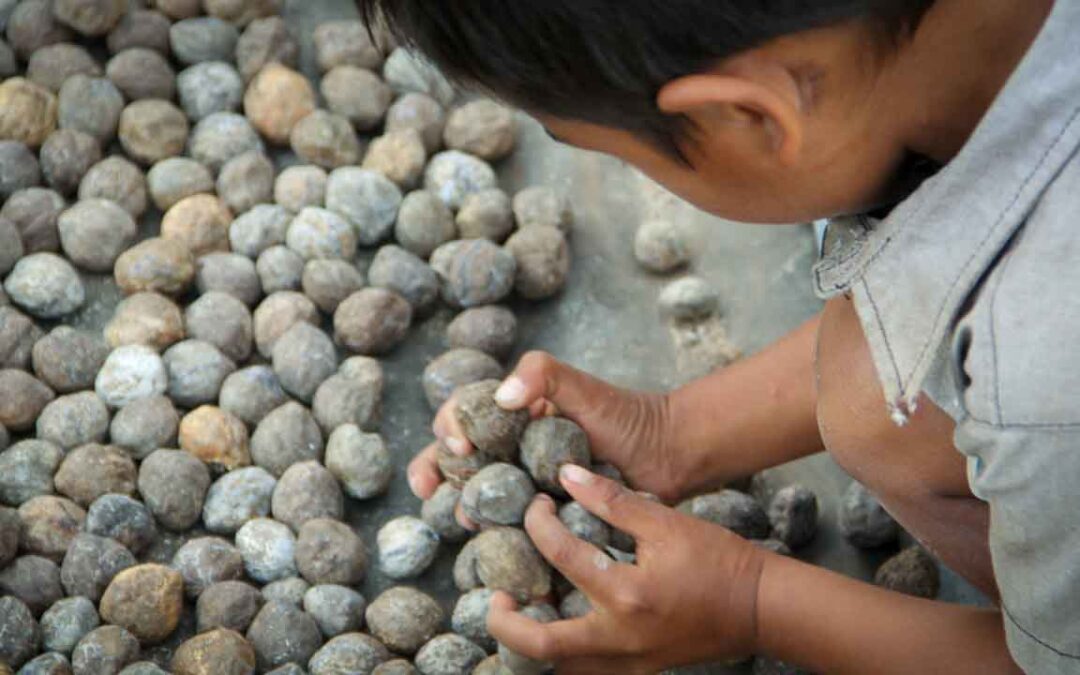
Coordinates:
957 64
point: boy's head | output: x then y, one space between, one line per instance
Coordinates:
757 110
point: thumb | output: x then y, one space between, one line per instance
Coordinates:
541 377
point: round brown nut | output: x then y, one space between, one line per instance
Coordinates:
491 329
66 156
246 181
491 429
543 261
306 491
220 136
455 368
304 357
506 560
173 485
146 600
329 282
32 26
372 321
419 112
398 155
140 28
265 41
913 571
486 214
50 66
329 552
146 319
404 619
223 321
18 337
242 12
90 17
325 139
117 179
217 437
34 211
277 313
498 494
94 232
424 223
286 436
153 130
48 525
299 187
356 94
173 179
346 42
218 651
541 205
474 272
91 105
547 444
93 470
483 128
142 73
28 112
277 98
68 360
157 264
200 222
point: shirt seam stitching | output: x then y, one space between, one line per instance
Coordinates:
881 328
1023 425
1035 638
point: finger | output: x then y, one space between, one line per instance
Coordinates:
447 429
603 665
540 376
423 472
542 408
587 567
463 520
541 641
614 503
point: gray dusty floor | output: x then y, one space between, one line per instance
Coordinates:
606 322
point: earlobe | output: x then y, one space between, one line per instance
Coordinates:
777 113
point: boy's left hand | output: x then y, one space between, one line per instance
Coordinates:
691 596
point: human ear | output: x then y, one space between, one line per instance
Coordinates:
764 97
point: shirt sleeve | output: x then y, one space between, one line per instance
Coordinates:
1030 477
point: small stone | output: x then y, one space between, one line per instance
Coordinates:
276 100
454 369
142 73
178 9
305 491
345 43
547 444
372 321
280 269
660 246
145 319
152 130
146 600
67 622
176 178
200 222
352 396
360 461
33 211
33 580
22 635
793 513
336 609
688 299
246 181
328 282
575 605
45 285
25 398
585 525
224 322
491 329
459 470
92 470
398 155
454 175
51 65
268 548
47 664
421 113
173 485
28 112
11 246
482 128
219 137
229 604
303 358
124 519
156 264
48 524
90 565
448 654
31 26
74 420
259 229
18 337
358 95
68 360
470 617
474 272
395 667
506 560
540 205
349 653
404 618
26 470
543 261
217 651
209 87
91 105
737 511
237 497
105 651
299 187
277 313
251 393
485 215
94 232
290 591
131 372
66 156
367 199
141 28
318 233
492 430
523 665
242 12
407 71
864 521
329 552
424 223
407 547
498 494
404 273
205 38
117 179
285 436
217 437
235 276
439 512
913 571
265 41
325 139
205 561
91 18
282 633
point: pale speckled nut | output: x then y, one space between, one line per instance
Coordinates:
205 561
142 74
156 265
352 396
349 653
542 205
506 560
28 112
237 497
404 618
94 232
176 178
424 223
398 155
448 654
277 98
19 336
280 269
543 261
146 319
66 156
405 71
251 393
419 112
204 38
736 511
232 274
863 520
317 233
660 246
268 549
131 372
491 429
143 426
303 358
209 87
400 271
196 370
453 175
356 94
498 494
486 214
688 299
793 513
46 286
360 461
246 181
325 139
345 43
469 618
329 282
286 436
265 41
200 222
439 512
474 272
117 179
407 547
547 444
153 130
277 313
372 321
337 609
585 525
283 633
299 187
483 128
255 231
219 137
455 368
369 200
51 65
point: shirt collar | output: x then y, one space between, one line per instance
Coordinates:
911 273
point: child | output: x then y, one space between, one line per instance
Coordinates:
944 372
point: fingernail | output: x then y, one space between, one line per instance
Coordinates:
412 484
572 473
456 445
510 392
546 500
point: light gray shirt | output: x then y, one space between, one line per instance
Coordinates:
969 291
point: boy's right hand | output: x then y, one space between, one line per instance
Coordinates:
630 430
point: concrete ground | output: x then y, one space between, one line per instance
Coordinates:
606 322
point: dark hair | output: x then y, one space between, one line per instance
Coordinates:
603 61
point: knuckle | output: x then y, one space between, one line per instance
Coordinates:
545 646
630 600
